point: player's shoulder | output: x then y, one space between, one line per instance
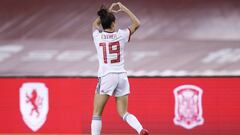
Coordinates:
124 31
96 32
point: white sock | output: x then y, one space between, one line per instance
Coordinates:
133 122
96 125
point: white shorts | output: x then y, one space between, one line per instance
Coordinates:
113 84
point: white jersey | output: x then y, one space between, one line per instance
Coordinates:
110 50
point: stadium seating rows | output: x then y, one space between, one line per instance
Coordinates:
177 38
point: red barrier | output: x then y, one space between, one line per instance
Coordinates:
152 100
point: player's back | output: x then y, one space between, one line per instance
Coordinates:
110 49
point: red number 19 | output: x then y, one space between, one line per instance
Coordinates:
111 51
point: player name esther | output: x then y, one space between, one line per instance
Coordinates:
109 36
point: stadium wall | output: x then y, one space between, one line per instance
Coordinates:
68 106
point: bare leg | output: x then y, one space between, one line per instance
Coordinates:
122 105
99 104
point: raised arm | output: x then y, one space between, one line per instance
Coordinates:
135 21
96 24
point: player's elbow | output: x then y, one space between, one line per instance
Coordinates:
138 23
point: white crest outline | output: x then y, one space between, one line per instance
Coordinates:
200 114
33 124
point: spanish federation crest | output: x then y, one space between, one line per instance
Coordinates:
188 106
34 104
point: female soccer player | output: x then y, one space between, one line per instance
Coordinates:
113 80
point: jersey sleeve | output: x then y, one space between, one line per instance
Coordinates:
126 34
95 33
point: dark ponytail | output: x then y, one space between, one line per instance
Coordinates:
102 12
106 17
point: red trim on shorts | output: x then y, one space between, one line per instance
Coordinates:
130 33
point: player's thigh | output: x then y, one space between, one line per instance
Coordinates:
122 104
99 103
123 87
107 84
